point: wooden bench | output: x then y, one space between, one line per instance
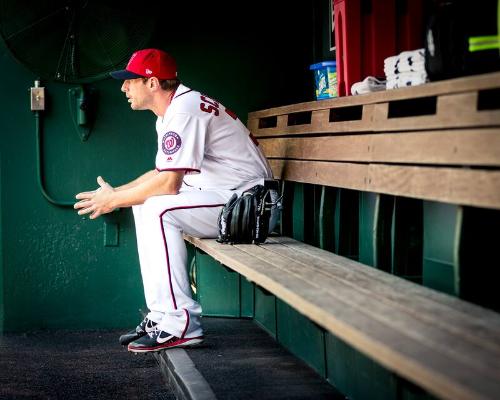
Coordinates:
439 142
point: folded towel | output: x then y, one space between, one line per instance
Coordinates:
406 79
368 85
407 56
406 73
405 69
400 67
407 61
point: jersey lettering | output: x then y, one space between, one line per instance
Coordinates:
209 105
208 109
210 101
212 105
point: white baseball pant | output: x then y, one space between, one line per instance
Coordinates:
160 223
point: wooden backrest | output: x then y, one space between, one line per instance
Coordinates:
439 141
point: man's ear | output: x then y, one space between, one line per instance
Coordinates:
154 83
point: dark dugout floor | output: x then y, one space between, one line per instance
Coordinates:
76 365
238 360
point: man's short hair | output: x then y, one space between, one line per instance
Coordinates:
166 84
170 84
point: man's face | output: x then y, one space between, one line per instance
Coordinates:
137 93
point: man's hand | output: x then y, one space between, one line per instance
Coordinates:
97 202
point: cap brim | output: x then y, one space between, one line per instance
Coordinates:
124 74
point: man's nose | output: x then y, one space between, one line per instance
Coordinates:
124 86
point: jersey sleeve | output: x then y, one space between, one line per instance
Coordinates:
181 144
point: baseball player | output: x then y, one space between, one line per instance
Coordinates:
204 155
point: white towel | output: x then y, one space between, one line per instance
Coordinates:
368 85
405 69
407 61
406 79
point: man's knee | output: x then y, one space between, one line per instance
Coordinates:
163 207
158 204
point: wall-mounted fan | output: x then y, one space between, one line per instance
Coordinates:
72 41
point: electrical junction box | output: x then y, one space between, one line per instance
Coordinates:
37 98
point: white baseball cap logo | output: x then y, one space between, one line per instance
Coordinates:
148 71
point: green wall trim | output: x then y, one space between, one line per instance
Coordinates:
368 208
407 238
301 336
298 221
326 218
247 298
265 310
441 227
218 287
358 377
355 375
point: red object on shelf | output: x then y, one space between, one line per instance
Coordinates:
365 34
347 17
409 25
378 35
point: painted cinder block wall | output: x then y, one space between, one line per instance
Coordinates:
55 271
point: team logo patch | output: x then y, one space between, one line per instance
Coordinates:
171 142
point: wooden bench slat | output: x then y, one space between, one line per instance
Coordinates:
431 106
394 349
410 298
320 123
377 120
476 314
458 85
323 127
390 313
480 188
453 111
465 147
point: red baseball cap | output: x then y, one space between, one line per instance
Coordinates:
147 63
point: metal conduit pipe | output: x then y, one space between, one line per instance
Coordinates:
39 166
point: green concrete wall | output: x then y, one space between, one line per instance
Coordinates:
57 272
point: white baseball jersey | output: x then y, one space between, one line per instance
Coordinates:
199 135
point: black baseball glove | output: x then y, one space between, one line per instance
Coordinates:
245 219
